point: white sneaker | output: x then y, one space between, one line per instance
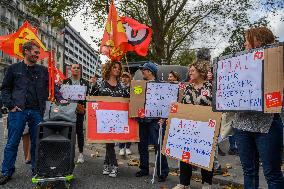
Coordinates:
206 186
128 151
121 152
106 170
80 158
113 172
180 186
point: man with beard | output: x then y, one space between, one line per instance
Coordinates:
24 93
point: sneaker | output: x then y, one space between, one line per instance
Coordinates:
113 172
206 186
180 186
121 152
128 151
106 170
80 158
4 179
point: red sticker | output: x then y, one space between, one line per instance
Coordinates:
168 151
273 99
141 113
205 93
212 123
258 55
181 86
174 108
126 129
185 156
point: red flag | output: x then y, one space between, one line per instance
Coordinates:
114 42
12 44
139 35
59 76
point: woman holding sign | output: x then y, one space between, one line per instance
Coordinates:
110 86
198 92
260 135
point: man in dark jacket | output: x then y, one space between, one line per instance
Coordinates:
149 131
76 79
24 93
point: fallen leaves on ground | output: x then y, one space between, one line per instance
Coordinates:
197 180
96 154
228 166
174 173
133 162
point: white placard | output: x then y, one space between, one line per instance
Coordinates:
191 141
112 121
73 92
159 97
239 82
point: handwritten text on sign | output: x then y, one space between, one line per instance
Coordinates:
73 92
112 121
239 82
159 97
191 141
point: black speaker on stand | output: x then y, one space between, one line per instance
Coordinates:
55 149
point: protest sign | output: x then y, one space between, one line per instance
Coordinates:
191 134
159 97
137 98
108 121
73 92
250 81
152 99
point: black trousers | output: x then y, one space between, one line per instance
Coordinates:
80 132
110 157
147 131
186 173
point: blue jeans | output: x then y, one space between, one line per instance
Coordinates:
149 130
16 126
267 147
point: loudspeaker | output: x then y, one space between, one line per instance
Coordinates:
55 149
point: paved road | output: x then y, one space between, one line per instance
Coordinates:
88 175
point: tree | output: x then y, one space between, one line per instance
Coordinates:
175 23
185 58
237 38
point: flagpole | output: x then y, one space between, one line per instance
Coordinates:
127 63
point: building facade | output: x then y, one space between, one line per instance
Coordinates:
77 50
13 13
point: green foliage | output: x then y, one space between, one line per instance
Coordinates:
185 58
175 23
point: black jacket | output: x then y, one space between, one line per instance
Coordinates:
15 85
83 82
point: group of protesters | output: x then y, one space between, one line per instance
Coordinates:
259 136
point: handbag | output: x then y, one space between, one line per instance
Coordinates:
226 124
60 112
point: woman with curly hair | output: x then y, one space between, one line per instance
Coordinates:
198 92
110 86
259 135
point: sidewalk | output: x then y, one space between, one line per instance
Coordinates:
235 177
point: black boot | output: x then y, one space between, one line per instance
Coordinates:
4 179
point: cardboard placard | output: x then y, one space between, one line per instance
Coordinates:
159 97
137 98
73 92
156 101
191 136
108 121
250 81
